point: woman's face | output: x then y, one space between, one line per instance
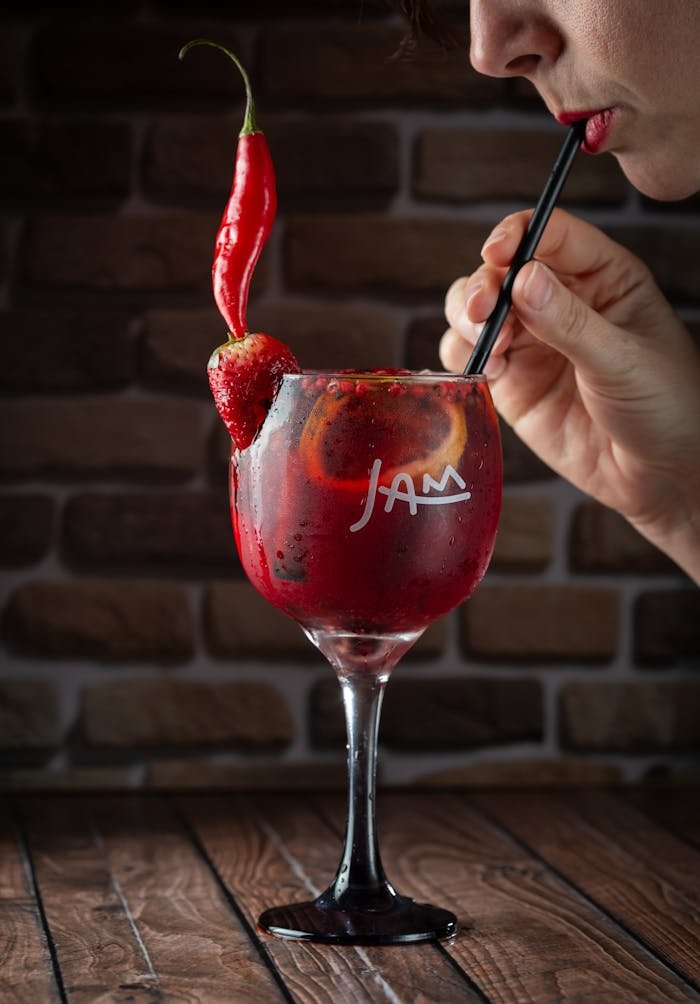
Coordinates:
632 66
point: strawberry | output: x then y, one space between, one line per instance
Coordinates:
244 376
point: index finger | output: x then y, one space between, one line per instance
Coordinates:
568 245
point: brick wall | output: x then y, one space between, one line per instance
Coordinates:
133 650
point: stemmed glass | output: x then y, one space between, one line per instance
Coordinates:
366 508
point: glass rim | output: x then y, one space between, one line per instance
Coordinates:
370 375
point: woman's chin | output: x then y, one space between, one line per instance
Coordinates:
663 183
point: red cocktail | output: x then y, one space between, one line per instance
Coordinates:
366 507
369 504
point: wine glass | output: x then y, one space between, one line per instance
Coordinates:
366 508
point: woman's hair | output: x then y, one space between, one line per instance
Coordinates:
418 13
422 21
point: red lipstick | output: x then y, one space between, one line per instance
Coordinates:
598 125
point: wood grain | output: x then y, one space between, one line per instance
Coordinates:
574 897
644 876
26 970
124 892
527 936
96 946
275 850
196 944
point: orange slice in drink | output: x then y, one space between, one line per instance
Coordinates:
412 429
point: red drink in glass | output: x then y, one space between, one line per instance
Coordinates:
366 507
369 504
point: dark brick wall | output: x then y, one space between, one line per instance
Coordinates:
133 650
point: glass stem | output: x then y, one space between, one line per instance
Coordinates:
360 882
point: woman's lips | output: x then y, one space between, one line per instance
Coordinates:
598 126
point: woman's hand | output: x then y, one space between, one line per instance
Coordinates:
595 372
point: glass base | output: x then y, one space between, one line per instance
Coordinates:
322 920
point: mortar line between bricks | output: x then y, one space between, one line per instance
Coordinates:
567 498
274 278
551 687
629 591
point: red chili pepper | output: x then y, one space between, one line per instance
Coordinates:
249 214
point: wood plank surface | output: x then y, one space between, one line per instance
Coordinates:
526 936
124 893
196 944
678 810
276 850
640 873
97 950
578 897
26 969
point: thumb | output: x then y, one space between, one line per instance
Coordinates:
556 316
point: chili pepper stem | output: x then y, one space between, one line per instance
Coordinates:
249 123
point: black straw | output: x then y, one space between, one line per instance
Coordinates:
527 246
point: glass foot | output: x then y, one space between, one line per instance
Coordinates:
322 920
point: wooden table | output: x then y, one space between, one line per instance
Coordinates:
579 896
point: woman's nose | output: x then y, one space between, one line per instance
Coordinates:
510 38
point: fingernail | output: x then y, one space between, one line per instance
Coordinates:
497 235
539 287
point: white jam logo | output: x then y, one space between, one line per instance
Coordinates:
403 490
